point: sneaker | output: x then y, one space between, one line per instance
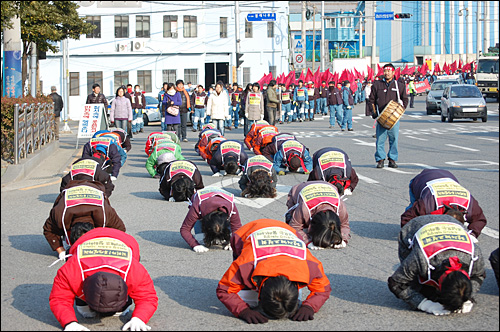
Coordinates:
132 139
374 136
392 164
300 120
142 130
380 163
193 130
350 129
342 129
185 140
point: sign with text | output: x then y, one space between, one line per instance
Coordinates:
259 17
384 16
90 121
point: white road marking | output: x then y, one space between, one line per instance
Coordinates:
471 163
421 165
367 179
395 170
490 232
417 138
488 139
461 147
360 142
483 170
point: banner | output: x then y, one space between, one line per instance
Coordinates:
420 87
91 120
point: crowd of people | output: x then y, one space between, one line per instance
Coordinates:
272 259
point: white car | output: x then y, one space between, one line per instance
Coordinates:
150 114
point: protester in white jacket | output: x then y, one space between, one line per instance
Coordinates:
217 107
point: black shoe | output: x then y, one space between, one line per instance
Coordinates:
392 164
141 131
350 129
380 163
374 136
193 130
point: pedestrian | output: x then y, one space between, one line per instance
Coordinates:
103 147
103 282
184 109
199 100
270 149
229 156
129 91
322 93
259 178
292 155
235 104
272 102
80 201
121 110
58 106
213 216
190 88
319 216
437 191
348 102
435 276
88 168
368 90
138 107
264 96
217 107
335 104
300 97
179 180
286 104
293 113
412 91
254 107
96 97
172 101
266 280
161 147
311 101
243 100
334 166
161 106
211 90
382 92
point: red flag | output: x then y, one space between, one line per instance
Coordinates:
423 69
301 78
289 78
326 76
445 67
317 78
309 76
436 68
460 64
380 70
405 70
352 79
397 73
335 77
453 67
369 72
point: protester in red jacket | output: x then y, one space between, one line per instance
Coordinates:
104 271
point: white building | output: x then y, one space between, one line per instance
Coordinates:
149 42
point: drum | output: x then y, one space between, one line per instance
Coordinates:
390 115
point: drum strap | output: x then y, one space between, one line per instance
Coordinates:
397 90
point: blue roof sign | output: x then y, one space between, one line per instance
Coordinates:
261 17
384 16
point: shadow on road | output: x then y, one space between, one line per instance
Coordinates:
47 198
138 165
32 243
176 287
375 230
165 238
149 195
144 174
33 301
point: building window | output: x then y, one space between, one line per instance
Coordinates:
170 26
331 23
142 26
74 84
272 69
144 80
93 77
246 76
223 27
345 22
169 75
121 78
95 20
191 75
121 26
248 29
270 29
190 27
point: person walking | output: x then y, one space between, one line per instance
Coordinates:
348 102
243 100
412 91
121 110
161 106
199 100
382 92
96 97
184 108
254 107
138 105
58 105
286 105
235 104
171 103
300 97
335 103
272 102
217 107
321 101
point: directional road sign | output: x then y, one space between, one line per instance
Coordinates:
387 16
258 17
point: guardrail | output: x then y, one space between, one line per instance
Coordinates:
33 128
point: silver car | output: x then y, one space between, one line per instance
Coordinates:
462 101
433 100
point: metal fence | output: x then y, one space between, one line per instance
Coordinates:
33 127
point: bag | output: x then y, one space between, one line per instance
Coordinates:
173 110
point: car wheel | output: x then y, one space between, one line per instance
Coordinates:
145 119
484 118
450 116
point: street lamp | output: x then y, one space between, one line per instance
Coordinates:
460 13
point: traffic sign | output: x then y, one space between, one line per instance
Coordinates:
299 58
384 16
259 17
299 44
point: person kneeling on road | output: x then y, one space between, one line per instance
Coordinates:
258 179
229 156
162 147
265 281
102 283
435 276
102 147
294 155
318 214
179 179
213 215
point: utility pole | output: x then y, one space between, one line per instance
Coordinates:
237 37
322 46
361 22
314 38
486 26
374 39
33 69
65 84
303 39
478 28
11 74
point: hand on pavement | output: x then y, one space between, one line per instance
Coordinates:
74 326
136 324
200 248
311 246
434 308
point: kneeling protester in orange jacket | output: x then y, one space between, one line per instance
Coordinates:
271 264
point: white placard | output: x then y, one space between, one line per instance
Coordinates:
90 121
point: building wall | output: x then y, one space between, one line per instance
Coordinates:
158 53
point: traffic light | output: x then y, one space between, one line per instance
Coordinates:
399 16
238 61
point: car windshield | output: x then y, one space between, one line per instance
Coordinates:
151 100
488 66
465 92
441 85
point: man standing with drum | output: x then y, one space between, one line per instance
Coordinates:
382 92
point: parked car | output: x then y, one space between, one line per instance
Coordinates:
151 114
433 100
461 101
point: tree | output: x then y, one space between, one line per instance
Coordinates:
46 23
9 10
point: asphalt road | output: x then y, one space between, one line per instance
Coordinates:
185 281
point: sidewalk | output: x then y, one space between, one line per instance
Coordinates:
45 165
